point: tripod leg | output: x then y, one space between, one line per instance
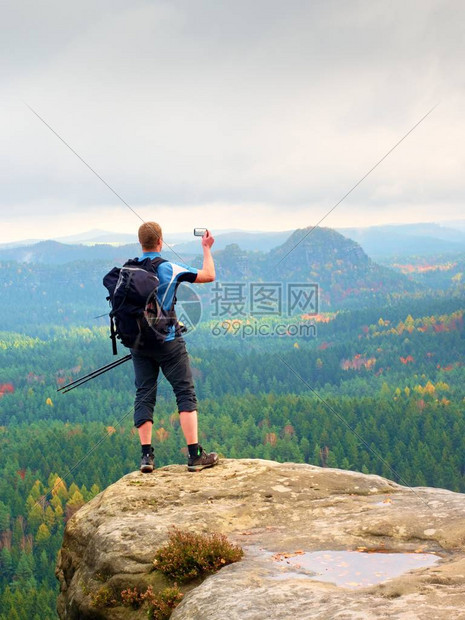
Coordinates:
93 374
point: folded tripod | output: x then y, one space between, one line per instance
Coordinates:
92 375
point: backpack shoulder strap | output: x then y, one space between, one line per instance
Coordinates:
131 262
156 262
146 263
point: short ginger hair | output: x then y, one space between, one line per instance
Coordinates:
149 235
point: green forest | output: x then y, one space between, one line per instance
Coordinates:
378 389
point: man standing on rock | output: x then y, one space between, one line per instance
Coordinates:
170 356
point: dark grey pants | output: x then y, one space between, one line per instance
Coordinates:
173 360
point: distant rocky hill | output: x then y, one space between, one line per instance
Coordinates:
319 543
345 275
63 283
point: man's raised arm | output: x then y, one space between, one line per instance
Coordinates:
207 273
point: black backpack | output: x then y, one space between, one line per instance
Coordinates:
136 317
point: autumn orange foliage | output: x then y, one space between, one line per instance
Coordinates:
271 438
406 360
357 362
162 434
6 388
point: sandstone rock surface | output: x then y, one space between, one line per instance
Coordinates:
267 508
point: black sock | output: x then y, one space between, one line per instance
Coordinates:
146 449
193 450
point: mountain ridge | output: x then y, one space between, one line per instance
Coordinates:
343 274
378 241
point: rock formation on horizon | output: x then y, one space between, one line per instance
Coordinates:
272 511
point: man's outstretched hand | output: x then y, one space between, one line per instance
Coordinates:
207 240
207 273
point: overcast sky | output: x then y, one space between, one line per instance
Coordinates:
255 114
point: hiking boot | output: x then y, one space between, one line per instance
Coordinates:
146 463
202 461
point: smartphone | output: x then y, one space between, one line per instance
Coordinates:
199 232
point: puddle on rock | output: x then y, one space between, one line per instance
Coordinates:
349 569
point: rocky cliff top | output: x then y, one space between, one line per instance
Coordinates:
279 514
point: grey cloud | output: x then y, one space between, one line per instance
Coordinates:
280 102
